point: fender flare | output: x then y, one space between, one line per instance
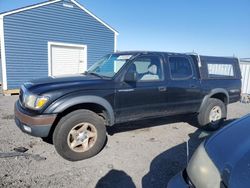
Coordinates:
211 93
69 101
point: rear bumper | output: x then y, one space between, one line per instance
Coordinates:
35 125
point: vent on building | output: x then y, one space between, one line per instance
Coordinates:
68 5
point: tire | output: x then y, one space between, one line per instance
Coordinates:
79 135
209 118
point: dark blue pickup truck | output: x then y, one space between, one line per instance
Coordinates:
122 87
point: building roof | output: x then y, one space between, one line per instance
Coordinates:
54 1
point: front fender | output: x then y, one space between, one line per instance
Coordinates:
69 101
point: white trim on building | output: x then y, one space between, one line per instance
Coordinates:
29 7
50 44
3 58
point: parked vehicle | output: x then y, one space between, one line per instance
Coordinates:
123 87
221 161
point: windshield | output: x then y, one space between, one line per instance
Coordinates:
109 65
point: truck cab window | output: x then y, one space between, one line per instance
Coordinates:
148 68
180 68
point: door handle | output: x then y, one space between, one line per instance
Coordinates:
162 89
125 90
193 86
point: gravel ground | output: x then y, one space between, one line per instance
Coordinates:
138 154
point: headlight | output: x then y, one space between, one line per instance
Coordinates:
35 102
202 171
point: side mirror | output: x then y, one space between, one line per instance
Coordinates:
130 77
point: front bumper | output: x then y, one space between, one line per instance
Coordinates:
35 125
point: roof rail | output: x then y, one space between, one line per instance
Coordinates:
191 53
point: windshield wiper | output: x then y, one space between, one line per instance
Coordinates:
93 73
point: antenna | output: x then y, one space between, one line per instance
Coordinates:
187 148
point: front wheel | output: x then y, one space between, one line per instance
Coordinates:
212 114
79 135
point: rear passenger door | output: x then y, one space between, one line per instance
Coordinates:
184 94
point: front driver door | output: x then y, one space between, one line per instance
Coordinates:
146 97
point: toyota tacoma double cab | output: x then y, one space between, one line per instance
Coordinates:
126 86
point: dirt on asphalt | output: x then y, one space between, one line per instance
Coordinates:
139 154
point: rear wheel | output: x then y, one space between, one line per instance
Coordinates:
212 114
79 135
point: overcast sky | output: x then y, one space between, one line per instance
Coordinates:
210 27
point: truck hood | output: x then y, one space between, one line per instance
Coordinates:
66 82
64 78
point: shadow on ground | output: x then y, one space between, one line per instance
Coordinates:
170 162
116 178
164 166
147 123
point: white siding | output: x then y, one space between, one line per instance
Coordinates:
245 72
1 50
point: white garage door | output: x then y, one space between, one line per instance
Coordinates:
68 59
